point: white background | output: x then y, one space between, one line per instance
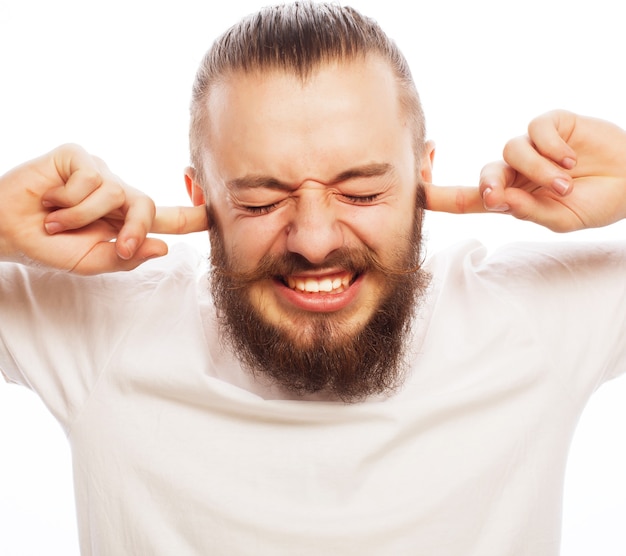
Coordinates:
115 77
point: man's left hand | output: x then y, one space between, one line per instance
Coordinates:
567 173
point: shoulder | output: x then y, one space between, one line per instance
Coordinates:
23 285
471 261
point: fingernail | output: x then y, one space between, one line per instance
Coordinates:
127 249
153 256
53 227
500 208
47 204
561 186
131 245
568 163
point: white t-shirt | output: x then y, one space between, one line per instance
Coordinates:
177 451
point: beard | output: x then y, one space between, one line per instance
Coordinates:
323 355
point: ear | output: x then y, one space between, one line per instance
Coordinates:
427 161
194 189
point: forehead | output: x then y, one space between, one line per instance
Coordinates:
276 122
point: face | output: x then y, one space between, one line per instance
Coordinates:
312 188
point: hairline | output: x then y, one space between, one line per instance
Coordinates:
408 99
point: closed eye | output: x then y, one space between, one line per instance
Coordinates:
265 209
361 199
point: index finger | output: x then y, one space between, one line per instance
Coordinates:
180 220
453 199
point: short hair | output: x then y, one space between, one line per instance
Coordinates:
298 38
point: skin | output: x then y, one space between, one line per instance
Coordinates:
567 173
309 168
64 208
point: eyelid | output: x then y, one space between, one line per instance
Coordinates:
254 210
361 199
257 211
258 204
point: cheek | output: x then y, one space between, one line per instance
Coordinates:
380 227
248 240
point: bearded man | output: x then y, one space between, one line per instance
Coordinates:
326 391
320 299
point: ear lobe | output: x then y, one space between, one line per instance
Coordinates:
194 190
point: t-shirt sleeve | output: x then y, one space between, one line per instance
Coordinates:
59 331
56 332
572 297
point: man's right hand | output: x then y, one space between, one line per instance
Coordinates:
64 208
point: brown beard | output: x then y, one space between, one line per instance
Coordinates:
345 366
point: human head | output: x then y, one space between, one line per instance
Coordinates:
312 166
297 38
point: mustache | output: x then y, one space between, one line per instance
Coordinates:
273 266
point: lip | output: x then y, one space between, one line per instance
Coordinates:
318 302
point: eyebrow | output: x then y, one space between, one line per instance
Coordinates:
267 182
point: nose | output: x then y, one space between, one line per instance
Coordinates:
314 231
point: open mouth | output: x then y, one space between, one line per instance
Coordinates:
332 284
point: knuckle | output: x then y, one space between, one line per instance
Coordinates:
460 202
535 124
100 164
91 177
181 223
514 146
142 201
71 148
115 194
508 148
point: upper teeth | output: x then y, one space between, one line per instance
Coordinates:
313 285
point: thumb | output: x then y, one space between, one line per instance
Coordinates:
454 199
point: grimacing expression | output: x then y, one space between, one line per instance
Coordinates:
313 192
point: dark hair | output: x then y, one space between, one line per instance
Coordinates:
298 38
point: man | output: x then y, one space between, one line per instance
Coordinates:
333 394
